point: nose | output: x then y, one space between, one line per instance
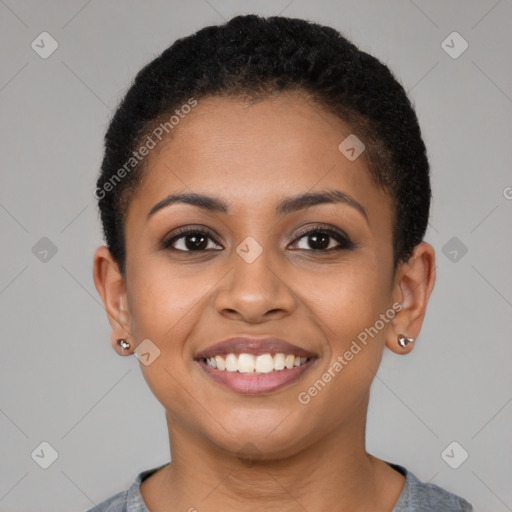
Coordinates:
255 291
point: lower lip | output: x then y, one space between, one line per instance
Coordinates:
252 384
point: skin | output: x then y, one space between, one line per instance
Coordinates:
309 456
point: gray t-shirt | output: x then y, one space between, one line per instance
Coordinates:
416 496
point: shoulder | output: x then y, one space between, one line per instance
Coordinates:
116 503
418 496
127 501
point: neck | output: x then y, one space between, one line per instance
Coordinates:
333 473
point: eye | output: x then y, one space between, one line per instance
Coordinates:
190 240
324 239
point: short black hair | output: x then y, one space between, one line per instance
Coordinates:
251 56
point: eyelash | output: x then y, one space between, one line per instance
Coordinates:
339 236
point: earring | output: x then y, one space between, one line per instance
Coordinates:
123 343
403 340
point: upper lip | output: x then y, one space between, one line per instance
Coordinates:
255 346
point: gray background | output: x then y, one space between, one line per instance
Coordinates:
60 380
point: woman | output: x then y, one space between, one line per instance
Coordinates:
264 196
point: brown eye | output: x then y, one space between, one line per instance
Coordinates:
191 240
324 240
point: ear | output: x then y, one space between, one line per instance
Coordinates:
413 284
111 287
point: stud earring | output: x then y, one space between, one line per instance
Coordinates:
403 340
123 343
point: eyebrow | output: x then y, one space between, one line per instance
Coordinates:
288 205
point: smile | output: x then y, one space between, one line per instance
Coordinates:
248 363
249 374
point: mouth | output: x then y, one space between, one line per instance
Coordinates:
251 366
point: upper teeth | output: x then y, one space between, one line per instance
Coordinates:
248 363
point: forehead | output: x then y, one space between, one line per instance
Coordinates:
253 154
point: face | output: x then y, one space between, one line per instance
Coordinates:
316 274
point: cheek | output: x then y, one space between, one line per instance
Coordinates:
161 300
350 306
347 300
165 308
348 311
